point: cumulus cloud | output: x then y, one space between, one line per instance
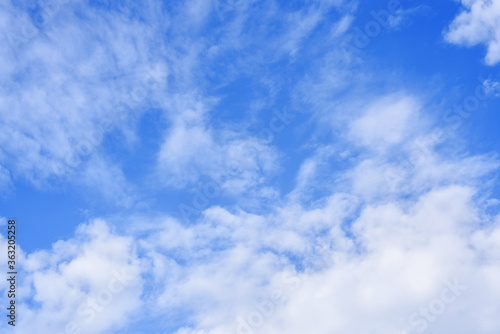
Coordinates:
478 24
389 266
89 283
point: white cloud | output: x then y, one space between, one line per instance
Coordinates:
107 180
402 15
192 149
68 84
407 252
478 24
91 282
491 87
342 26
401 257
302 24
386 122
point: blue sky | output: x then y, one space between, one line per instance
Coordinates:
215 153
